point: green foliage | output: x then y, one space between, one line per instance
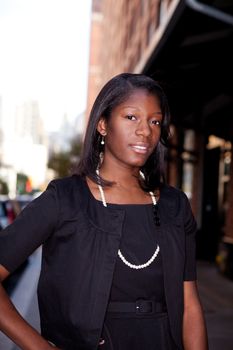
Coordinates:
3 187
76 147
60 163
21 183
63 162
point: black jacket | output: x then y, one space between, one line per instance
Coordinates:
80 244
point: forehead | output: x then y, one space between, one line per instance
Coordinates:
139 96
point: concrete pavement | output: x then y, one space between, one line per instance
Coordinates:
216 292
24 297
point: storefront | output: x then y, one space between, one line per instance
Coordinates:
193 60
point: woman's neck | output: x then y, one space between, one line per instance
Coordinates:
122 177
125 189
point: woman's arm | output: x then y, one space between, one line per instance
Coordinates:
14 326
194 328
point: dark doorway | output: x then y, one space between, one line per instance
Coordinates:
209 235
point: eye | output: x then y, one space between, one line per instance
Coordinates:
156 122
131 117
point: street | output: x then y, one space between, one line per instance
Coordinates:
216 293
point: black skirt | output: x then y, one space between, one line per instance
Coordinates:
124 332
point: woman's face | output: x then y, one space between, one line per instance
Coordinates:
132 131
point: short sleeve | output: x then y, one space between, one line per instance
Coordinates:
190 228
30 229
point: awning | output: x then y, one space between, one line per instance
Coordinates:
194 62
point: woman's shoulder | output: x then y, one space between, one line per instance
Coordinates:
67 182
66 187
173 198
69 193
168 190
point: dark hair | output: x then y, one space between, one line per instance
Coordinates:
115 92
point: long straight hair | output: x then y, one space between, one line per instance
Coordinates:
115 92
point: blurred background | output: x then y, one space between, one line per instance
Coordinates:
55 57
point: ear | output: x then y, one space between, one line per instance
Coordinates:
102 126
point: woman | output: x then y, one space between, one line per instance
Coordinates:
118 263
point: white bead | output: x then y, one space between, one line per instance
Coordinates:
121 256
132 266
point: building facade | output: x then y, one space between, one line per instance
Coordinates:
122 39
95 79
185 45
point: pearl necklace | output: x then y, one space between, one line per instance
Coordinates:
121 256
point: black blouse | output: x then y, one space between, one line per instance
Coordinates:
138 244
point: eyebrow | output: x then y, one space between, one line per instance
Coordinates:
160 113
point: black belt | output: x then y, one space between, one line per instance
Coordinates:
138 307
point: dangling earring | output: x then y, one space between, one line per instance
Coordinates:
102 140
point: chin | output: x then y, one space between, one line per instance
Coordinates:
138 163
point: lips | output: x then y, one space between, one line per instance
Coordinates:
141 148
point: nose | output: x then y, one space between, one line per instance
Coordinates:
143 128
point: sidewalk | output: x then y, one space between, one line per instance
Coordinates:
24 297
216 293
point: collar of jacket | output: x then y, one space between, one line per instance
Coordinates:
107 219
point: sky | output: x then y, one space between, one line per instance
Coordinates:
44 55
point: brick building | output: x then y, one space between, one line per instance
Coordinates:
126 36
185 45
95 66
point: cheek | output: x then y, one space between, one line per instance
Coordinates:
118 135
117 141
156 135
